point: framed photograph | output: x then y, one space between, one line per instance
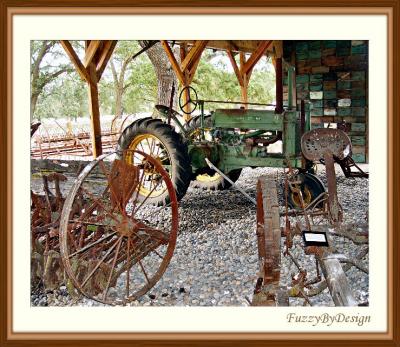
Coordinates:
146 244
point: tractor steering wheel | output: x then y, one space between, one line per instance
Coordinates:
184 102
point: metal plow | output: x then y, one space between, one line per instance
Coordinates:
317 222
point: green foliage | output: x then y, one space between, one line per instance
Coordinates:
141 95
66 95
215 80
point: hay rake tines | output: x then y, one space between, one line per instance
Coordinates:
116 246
45 218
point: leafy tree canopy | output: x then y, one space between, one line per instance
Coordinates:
65 95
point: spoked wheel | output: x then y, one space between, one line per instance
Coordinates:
311 188
166 146
114 245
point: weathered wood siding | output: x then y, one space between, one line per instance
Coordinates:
332 77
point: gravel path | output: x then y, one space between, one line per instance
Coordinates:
215 260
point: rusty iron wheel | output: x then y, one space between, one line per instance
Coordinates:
115 247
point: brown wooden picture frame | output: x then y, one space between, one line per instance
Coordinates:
390 8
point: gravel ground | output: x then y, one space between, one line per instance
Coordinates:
215 260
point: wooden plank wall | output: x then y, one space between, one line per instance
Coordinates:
332 77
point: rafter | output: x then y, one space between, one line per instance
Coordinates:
75 60
105 55
90 52
173 61
193 55
278 48
255 56
193 70
235 68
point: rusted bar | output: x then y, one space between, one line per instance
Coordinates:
267 291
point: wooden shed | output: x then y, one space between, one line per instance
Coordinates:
331 78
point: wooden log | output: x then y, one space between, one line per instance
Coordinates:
320 69
337 281
329 85
337 119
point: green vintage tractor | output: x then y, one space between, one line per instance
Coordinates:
231 139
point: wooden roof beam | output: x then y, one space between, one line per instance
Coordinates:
278 48
75 60
90 52
235 68
173 61
193 55
192 70
255 56
105 56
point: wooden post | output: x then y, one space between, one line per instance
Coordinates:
279 86
183 52
97 54
94 111
245 79
90 62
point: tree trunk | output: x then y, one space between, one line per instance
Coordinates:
118 90
40 78
118 102
165 74
34 99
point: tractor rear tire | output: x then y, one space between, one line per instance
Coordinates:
214 181
173 146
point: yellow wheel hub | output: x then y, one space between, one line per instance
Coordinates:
307 197
152 146
208 178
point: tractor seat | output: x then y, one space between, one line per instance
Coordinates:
317 142
164 111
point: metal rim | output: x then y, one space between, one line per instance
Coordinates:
153 146
207 178
311 187
307 198
110 239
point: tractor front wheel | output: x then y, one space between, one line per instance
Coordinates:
209 181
